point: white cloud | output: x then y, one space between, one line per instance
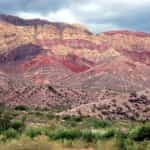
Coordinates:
99 15
103 27
26 15
63 15
120 2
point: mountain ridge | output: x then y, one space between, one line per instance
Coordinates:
29 22
78 64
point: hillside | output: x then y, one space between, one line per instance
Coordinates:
47 64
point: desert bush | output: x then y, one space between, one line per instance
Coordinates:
24 118
38 113
17 125
86 135
73 118
95 123
89 136
33 132
140 133
72 121
120 140
21 108
10 133
131 145
2 107
108 134
64 134
51 116
4 124
5 120
123 142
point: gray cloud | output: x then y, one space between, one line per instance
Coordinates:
40 6
98 15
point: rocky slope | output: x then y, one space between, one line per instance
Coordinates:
113 105
38 55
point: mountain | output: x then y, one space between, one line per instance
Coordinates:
67 65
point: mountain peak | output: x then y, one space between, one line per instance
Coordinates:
31 22
22 22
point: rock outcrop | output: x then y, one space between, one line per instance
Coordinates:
68 57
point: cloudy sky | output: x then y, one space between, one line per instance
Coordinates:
97 15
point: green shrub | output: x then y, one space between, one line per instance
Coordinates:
71 121
5 120
4 124
140 133
71 134
95 123
64 134
73 118
24 118
21 108
2 107
109 133
33 132
130 145
17 125
89 136
51 116
120 140
10 133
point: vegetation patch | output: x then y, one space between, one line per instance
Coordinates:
71 132
140 133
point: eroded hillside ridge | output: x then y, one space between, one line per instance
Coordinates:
38 49
66 65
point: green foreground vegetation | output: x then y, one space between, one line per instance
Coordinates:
22 128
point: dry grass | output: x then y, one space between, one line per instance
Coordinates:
42 143
41 131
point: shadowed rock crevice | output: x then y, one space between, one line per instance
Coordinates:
21 53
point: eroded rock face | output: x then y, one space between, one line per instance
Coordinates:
20 53
112 105
74 47
71 59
